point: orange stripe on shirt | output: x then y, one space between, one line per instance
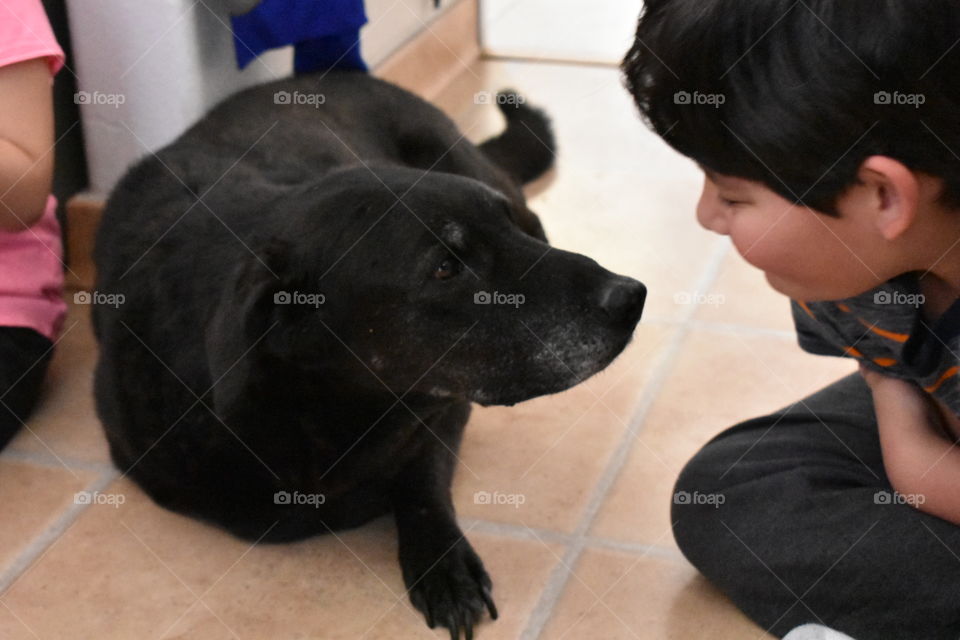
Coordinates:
885 362
898 337
949 373
803 305
853 352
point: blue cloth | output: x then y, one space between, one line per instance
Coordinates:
325 33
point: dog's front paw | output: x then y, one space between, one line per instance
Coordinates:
450 590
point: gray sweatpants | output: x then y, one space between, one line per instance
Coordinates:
792 516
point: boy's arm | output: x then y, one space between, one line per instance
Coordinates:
920 458
26 138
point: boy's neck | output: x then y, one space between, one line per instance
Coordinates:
938 295
938 250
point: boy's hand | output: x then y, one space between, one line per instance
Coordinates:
919 456
909 404
903 400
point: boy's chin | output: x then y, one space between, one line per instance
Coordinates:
781 286
804 294
791 290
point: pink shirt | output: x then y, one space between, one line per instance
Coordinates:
31 260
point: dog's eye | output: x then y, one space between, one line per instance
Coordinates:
448 268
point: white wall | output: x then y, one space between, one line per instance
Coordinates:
148 69
597 31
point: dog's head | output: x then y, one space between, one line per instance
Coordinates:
423 283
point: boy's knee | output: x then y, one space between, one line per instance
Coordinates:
721 491
697 504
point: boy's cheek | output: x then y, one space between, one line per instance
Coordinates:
802 257
761 250
783 268
777 243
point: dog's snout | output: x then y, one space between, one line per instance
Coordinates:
623 300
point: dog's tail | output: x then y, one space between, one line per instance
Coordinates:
526 148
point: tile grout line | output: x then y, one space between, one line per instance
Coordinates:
560 576
516 532
656 550
507 530
47 461
48 537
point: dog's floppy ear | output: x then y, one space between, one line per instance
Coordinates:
241 322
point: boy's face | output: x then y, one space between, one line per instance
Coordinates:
804 254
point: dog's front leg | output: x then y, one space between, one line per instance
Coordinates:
443 575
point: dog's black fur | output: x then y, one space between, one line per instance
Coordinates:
215 398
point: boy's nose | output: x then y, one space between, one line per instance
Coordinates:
712 219
710 214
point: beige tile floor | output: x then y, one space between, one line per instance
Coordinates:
589 552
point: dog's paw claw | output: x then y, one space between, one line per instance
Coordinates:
454 591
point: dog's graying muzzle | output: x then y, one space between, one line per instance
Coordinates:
623 300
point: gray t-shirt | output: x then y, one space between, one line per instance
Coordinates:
885 329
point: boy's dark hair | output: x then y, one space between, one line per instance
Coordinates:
796 94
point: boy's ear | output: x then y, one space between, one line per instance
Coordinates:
892 194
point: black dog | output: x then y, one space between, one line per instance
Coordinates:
306 291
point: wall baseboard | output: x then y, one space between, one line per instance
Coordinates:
83 219
424 65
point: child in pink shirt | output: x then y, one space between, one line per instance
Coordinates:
31 271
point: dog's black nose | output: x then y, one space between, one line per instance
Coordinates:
623 300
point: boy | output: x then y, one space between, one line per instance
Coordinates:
829 134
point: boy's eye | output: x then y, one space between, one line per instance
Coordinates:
729 203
